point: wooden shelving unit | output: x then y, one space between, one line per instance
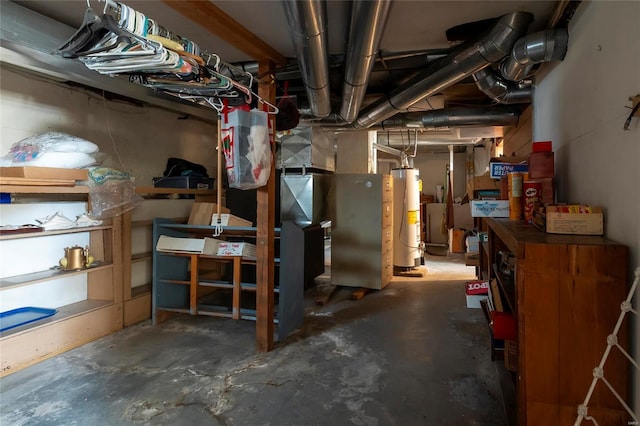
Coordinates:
565 296
74 323
137 225
38 189
180 286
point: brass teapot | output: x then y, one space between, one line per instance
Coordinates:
76 258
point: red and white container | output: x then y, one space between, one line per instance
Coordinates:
475 292
532 196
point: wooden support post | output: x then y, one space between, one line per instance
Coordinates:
126 255
235 309
265 227
193 285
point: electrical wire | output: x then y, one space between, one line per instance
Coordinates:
113 142
627 122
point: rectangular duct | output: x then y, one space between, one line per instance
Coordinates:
303 198
306 148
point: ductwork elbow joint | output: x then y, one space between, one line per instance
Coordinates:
499 42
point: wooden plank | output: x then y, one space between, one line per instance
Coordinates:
193 285
324 293
99 284
34 277
137 309
472 258
201 213
71 327
126 257
224 26
141 257
36 181
541 313
265 234
497 298
40 189
589 289
558 11
162 314
359 293
113 247
517 140
44 173
516 233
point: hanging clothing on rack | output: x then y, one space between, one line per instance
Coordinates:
124 41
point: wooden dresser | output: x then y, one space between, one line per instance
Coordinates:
565 293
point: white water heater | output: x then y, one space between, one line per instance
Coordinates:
406 217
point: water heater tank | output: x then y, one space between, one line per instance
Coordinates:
406 217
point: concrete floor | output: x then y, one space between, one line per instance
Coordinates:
411 354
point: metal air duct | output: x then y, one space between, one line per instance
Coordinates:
454 117
505 92
367 23
543 46
308 24
452 69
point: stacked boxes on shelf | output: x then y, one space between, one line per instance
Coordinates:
537 171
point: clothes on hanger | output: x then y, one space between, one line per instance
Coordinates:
123 41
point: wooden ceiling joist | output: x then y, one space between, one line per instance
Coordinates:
224 26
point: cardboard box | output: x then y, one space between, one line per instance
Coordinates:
504 188
476 291
548 195
489 208
456 240
201 213
227 219
237 249
34 172
485 182
541 146
541 165
180 245
207 246
497 170
553 221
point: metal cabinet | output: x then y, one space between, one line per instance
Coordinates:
362 240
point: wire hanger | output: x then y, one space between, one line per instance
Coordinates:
274 109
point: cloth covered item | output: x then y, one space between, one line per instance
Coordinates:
52 149
181 167
288 115
56 221
63 160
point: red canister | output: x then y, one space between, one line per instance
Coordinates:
532 194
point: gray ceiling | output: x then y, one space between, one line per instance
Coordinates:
412 26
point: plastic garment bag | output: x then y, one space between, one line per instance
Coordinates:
245 143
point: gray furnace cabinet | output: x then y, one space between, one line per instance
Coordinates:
361 232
